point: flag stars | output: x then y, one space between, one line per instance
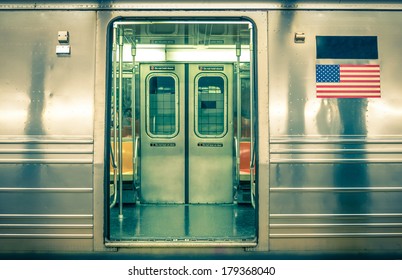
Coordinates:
327 73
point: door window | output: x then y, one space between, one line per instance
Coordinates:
211 106
162 106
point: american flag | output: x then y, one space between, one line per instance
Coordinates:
348 80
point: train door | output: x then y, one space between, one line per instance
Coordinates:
211 134
162 133
186 133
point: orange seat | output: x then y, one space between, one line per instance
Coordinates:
245 158
127 158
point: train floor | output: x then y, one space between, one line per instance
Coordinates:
194 222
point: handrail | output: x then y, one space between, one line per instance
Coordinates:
252 172
133 113
114 177
114 164
135 161
237 177
252 156
114 85
120 136
238 109
252 136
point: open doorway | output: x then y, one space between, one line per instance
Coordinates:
181 132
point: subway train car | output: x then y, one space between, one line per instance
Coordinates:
200 127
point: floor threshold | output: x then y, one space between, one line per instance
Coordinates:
180 244
208 225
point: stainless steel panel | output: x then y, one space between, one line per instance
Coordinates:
334 163
211 157
99 175
45 226
37 95
295 111
45 176
46 131
340 202
336 176
361 244
46 202
205 5
44 243
162 157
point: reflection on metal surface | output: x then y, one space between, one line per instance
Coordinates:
46 226
334 163
336 225
337 161
337 235
339 225
338 189
336 216
46 140
46 132
336 139
46 216
336 151
73 190
46 161
91 5
36 108
44 151
47 235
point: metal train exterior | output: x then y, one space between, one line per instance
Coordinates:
200 127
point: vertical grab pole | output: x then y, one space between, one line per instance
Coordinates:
120 156
133 113
114 83
252 138
238 90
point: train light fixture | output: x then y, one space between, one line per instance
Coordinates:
300 37
63 48
63 37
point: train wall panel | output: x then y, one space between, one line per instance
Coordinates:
342 202
45 94
296 112
46 243
46 202
334 162
46 130
45 176
335 177
339 244
204 5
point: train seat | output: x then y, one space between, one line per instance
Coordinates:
244 161
127 161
